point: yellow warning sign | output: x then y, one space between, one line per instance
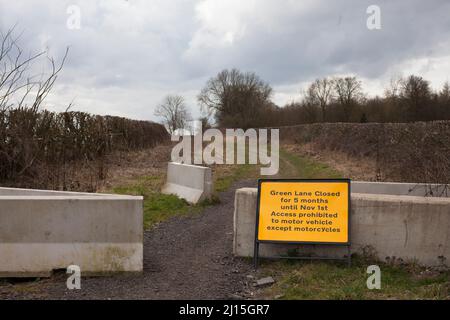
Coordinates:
304 211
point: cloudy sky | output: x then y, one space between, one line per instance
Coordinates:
127 55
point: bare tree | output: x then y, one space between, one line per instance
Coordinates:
390 106
21 95
348 92
321 91
415 92
392 91
236 98
16 84
445 92
174 113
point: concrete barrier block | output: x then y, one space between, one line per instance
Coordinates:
244 221
41 231
401 189
413 228
189 182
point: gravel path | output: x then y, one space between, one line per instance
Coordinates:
187 257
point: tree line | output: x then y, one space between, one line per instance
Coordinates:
342 99
242 99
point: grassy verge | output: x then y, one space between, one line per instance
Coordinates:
334 280
226 175
295 166
157 206
291 166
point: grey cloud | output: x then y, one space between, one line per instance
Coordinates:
129 54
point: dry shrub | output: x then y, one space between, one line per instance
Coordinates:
43 149
409 152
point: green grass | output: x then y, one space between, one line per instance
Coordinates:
225 178
291 166
295 166
334 280
157 206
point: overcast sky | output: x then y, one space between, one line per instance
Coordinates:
127 55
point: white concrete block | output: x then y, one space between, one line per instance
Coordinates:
45 230
189 182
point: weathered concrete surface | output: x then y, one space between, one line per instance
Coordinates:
36 192
401 189
391 227
192 183
45 230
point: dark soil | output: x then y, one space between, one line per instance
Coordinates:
188 257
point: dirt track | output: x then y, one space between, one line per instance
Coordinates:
187 257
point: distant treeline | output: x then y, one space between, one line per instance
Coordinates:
407 100
237 99
40 144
